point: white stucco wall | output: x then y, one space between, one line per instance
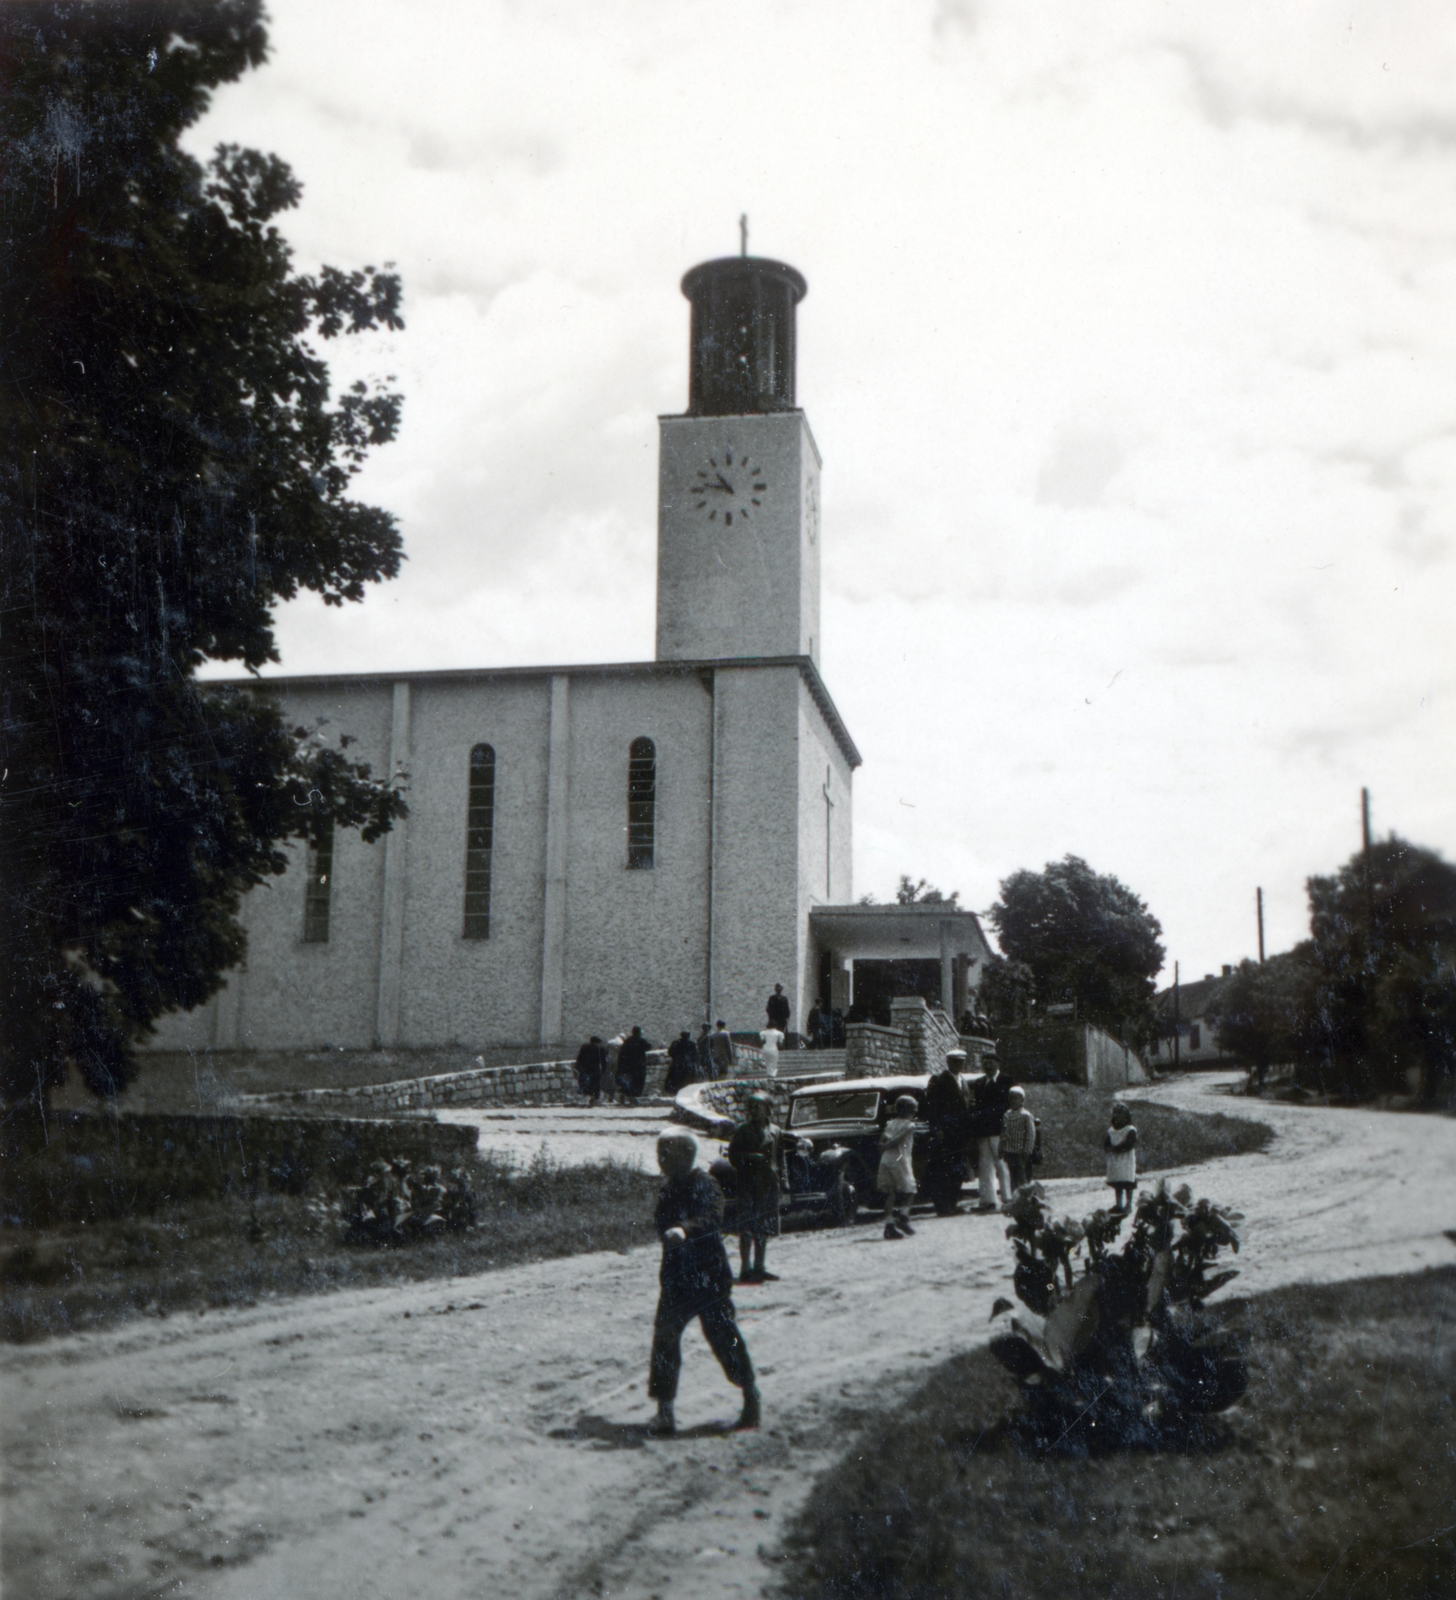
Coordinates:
635 937
825 876
748 590
634 943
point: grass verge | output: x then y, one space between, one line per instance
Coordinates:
1074 1120
227 1253
206 1253
1336 1477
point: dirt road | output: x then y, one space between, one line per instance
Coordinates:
484 1436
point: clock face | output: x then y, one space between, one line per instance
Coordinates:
729 487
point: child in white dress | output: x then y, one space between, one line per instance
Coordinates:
895 1178
1121 1147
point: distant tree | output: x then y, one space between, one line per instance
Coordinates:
1260 1010
922 893
1007 992
170 467
1381 997
1085 938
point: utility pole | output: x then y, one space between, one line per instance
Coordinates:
1259 903
1365 820
1177 1054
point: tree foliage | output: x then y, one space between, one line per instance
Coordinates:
1379 994
1260 1011
1086 939
921 893
1007 991
172 464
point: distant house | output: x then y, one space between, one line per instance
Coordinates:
1198 1009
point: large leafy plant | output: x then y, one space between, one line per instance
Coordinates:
1113 1346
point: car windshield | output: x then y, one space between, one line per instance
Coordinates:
860 1105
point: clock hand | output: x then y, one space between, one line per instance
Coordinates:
725 483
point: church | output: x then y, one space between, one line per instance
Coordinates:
592 847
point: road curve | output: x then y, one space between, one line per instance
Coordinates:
483 1435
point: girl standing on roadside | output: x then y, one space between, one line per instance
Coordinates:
896 1176
753 1152
1121 1147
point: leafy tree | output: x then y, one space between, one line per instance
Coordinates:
1381 995
1086 939
171 465
923 894
1261 1007
1007 991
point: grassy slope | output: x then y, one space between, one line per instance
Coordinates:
1336 1477
217 1253
1074 1120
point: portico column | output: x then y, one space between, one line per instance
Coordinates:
947 973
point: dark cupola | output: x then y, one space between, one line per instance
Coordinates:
743 336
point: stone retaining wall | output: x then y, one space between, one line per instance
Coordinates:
929 1034
542 1083
871 1051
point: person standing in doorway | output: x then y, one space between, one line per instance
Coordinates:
753 1153
778 1010
632 1067
695 1281
990 1097
720 1047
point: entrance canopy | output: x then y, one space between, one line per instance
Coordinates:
945 944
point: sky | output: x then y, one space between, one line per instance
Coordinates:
1130 347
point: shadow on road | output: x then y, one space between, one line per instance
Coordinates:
605 1434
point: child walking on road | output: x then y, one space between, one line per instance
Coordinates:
696 1282
896 1176
1121 1147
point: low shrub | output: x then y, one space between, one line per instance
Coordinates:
213 1253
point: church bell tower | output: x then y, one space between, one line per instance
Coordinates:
738 477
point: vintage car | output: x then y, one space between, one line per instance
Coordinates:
831 1149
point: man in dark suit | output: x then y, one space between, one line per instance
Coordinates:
590 1060
632 1067
990 1098
778 1010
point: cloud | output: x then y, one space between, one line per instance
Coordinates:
1130 346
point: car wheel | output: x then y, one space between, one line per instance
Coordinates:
843 1203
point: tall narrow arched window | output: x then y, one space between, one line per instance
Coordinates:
318 883
641 802
479 840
